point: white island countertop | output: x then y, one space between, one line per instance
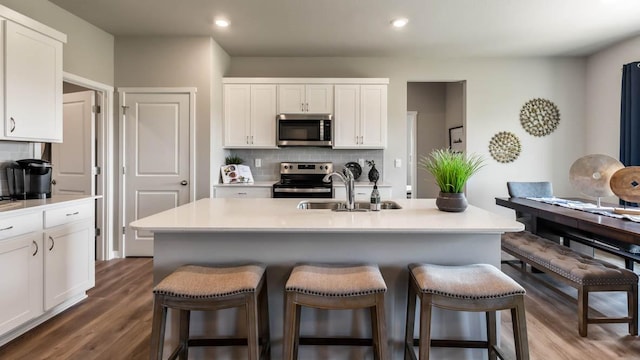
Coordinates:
282 215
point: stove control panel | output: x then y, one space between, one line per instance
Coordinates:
306 168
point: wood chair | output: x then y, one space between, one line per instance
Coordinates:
479 287
335 287
199 288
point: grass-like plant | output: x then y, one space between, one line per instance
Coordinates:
233 159
451 169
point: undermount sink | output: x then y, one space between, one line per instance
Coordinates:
342 206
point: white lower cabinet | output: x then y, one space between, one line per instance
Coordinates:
68 262
362 192
47 258
21 280
241 192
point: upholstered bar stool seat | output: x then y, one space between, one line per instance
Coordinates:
335 287
204 288
478 287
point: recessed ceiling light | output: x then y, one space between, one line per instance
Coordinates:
222 23
400 22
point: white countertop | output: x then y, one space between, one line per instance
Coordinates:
270 183
282 215
8 208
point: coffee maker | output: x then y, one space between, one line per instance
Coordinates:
29 179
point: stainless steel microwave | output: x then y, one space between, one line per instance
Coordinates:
304 129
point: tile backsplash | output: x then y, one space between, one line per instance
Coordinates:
10 151
271 159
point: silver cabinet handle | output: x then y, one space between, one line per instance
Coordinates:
301 106
251 139
53 243
7 228
307 107
13 124
184 183
75 213
36 244
247 139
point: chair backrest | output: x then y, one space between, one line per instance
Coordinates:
530 189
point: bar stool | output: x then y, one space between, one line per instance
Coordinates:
335 287
200 288
478 287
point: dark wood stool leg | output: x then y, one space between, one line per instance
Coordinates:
291 326
491 334
265 332
251 309
157 329
519 320
425 326
410 322
375 335
185 319
380 329
632 309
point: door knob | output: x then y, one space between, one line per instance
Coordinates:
184 183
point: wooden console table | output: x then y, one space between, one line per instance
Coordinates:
598 231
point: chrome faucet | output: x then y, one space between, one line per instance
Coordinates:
348 180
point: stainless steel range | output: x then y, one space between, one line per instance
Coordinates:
303 180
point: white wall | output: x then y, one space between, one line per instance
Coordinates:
496 89
89 50
604 84
179 62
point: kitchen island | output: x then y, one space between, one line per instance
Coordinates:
278 234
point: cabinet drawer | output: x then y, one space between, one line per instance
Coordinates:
244 192
67 214
22 224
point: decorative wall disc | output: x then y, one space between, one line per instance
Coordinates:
539 117
504 147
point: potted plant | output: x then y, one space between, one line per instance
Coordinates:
233 159
451 171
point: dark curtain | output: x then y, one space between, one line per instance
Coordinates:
630 116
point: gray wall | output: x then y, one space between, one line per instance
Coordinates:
429 100
174 62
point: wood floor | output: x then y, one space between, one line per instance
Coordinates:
115 321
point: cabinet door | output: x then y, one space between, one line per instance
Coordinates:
21 280
237 115
373 115
347 116
319 99
291 99
68 262
33 85
263 116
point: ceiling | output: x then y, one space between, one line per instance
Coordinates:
437 28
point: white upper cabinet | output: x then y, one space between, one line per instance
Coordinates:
360 116
305 98
250 115
32 84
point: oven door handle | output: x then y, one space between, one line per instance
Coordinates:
302 190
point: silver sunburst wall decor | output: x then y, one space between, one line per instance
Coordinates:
504 147
539 117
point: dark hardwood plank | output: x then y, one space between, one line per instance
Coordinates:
115 321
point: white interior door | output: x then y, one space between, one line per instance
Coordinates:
157 160
73 160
